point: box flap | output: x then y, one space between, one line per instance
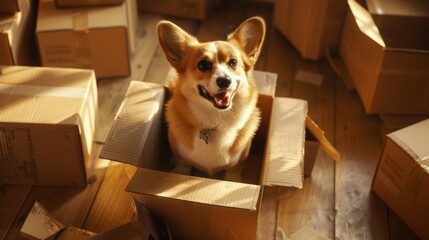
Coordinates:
195 189
266 82
137 126
365 22
320 136
284 164
40 224
415 141
51 18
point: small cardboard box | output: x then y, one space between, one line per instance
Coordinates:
47 123
312 26
191 9
197 207
387 57
402 176
17 42
93 38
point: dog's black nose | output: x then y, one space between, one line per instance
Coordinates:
223 82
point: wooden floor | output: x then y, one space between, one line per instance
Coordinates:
336 201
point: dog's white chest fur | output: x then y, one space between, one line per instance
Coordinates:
212 151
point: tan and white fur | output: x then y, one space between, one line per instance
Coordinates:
212 115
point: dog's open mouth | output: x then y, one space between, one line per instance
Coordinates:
220 100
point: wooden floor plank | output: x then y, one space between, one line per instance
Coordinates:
280 59
112 206
12 198
360 215
69 205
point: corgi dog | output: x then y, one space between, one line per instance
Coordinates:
212 115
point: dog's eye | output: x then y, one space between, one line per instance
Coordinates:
204 65
232 63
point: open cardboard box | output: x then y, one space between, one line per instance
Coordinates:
198 207
402 176
387 56
47 123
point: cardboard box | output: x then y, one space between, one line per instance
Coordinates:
312 26
387 58
196 207
86 3
17 42
91 38
47 124
402 176
191 9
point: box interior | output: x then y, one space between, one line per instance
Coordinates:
252 168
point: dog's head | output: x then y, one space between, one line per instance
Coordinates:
213 72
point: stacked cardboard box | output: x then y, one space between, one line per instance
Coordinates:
99 38
192 9
386 53
17 42
47 124
197 207
402 176
312 26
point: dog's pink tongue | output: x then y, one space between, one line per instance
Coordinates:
222 99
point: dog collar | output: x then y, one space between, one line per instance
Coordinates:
204 133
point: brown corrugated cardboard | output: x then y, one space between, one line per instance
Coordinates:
92 38
387 58
87 3
47 123
41 225
17 42
312 26
213 209
192 9
402 176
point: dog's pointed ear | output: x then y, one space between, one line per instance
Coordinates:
174 42
249 36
